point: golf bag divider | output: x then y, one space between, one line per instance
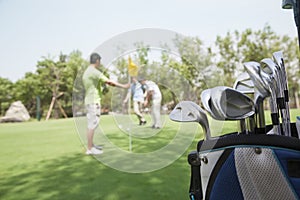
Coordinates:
247 166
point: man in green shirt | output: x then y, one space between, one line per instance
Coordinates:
91 79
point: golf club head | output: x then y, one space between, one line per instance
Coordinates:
278 57
272 68
244 84
270 83
205 98
254 71
271 71
208 106
188 111
232 104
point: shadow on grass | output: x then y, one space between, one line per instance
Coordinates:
83 177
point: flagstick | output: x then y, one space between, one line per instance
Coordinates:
130 126
132 71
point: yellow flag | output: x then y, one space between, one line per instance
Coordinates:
132 68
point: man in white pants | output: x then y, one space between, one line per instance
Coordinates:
153 94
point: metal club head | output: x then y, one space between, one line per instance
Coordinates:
232 104
205 98
278 57
273 73
188 111
244 84
208 106
254 71
270 83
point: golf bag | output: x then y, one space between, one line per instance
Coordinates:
246 166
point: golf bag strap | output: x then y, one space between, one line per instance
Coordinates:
195 184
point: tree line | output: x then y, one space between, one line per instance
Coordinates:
182 76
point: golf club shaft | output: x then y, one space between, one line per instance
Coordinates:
274 116
206 131
286 98
283 113
260 117
242 126
251 124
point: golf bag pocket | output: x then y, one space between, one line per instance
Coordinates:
250 167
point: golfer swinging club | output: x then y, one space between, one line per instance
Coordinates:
153 94
91 78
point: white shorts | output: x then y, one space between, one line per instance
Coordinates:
93 115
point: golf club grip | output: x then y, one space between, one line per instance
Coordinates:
286 96
281 102
275 118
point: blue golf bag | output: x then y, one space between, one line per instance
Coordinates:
246 166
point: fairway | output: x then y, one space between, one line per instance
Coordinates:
46 160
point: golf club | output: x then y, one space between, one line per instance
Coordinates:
245 85
231 104
224 103
188 111
209 107
278 57
265 86
272 70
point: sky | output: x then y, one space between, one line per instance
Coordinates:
33 29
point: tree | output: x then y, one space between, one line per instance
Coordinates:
75 65
6 94
236 48
195 59
49 73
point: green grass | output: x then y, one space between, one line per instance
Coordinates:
45 160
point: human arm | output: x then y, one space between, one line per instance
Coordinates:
105 78
148 97
117 84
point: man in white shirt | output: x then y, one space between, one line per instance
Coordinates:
153 94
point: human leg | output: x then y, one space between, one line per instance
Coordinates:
93 119
156 104
136 109
90 136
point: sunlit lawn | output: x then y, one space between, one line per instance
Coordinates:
46 160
